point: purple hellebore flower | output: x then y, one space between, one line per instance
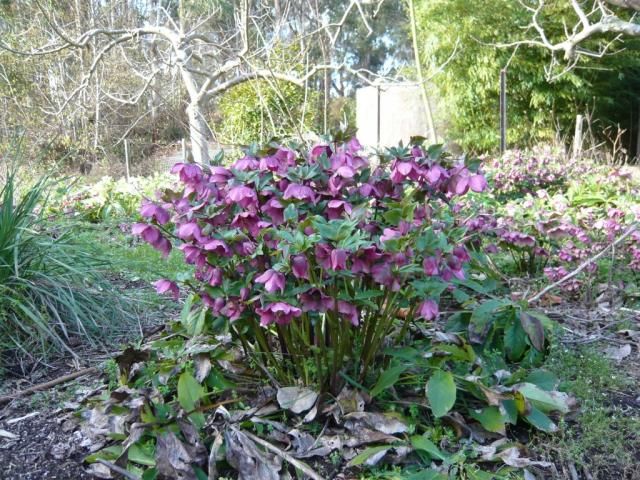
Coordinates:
154 211
248 221
401 170
220 175
430 265
455 267
215 304
461 253
383 275
338 259
153 236
272 281
364 259
232 309
323 255
315 301
280 312
435 173
349 311
300 266
345 171
167 286
218 247
246 163
353 145
213 277
335 209
275 210
478 183
189 231
242 195
193 255
189 173
299 192
245 248
318 150
429 309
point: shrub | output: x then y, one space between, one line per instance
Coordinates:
107 199
50 289
316 252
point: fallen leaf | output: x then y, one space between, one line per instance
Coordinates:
376 421
296 399
8 435
173 459
618 353
202 364
250 462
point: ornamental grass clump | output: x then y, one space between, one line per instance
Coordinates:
315 260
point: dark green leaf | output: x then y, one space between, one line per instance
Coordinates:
533 326
441 392
387 379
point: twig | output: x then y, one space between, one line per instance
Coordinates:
584 265
284 455
47 385
117 469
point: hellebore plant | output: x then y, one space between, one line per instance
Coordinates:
315 260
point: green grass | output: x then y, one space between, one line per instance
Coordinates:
128 255
52 289
604 438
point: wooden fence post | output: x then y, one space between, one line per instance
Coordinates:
503 110
126 160
183 143
577 138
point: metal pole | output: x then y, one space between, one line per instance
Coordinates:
126 159
503 110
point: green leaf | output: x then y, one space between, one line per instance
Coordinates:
428 474
189 391
367 454
424 444
543 379
540 421
491 419
533 326
515 342
387 379
510 410
142 455
150 474
482 317
543 400
290 213
441 392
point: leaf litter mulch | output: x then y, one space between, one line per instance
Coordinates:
41 436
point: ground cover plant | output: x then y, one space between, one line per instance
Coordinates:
314 300
106 200
550 228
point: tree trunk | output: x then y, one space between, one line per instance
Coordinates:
198 131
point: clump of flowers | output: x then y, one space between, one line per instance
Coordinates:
519 172
312 259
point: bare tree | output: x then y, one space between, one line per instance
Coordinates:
593 19
208 55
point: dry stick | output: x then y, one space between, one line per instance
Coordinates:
47 385
584 265
117 469
296 463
